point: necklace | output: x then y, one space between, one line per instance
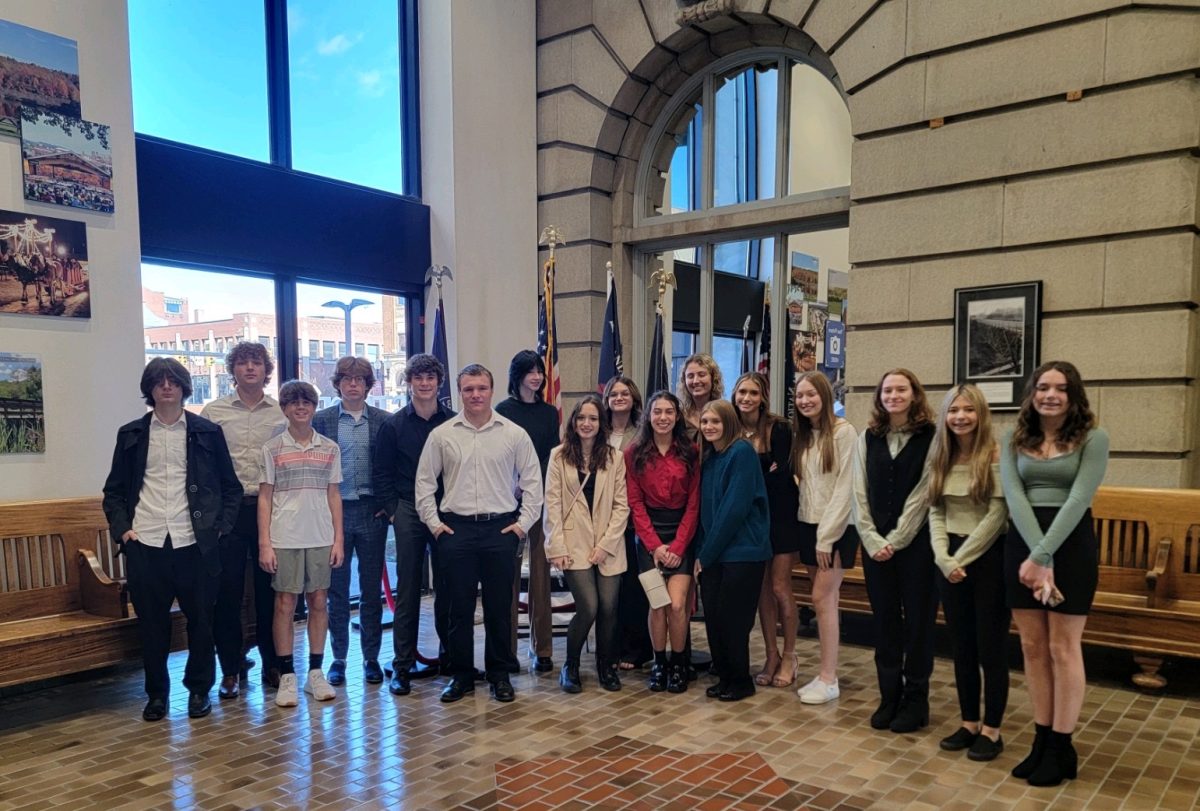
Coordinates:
748 434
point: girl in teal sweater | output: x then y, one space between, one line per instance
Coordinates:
734 547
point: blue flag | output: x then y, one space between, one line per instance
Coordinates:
611 362
439 352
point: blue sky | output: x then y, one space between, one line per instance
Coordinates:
192 86
39 47
11 363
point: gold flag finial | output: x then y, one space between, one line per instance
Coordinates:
662 278
553 236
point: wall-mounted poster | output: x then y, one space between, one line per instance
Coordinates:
37 69
22 418
43 266
997 339
67 161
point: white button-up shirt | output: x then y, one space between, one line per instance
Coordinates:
246 430
483 470
162 507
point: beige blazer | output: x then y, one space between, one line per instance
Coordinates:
571 530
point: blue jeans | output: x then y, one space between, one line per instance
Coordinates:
365 536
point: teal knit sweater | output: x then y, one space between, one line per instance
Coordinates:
734 517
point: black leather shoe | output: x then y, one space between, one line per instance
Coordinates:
337 673
503 691
199 705
715 690
568 679
270 678
543 664
658 678
608 677
481 676
985 748
155 710
372 672
456 689
229 687
736 693
400 684
962 738
882 717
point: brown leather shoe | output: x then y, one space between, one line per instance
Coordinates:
229 687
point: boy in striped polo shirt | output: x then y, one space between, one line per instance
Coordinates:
300 534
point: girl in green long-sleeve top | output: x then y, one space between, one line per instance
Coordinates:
1050 466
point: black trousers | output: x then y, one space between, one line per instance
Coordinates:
236 547
633 610
730 593
979 618
157 578
478 555
904 605
412 538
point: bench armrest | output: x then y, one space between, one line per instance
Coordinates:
100 594
1157 575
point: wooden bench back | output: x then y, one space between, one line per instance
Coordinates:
1143 531
39 572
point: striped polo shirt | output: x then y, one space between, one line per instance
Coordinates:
301 475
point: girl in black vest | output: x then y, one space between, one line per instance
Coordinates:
891 475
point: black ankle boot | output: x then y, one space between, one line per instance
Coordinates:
1026 766
568 679
658 678
606 674
677 678
1059 761
912 715
883 716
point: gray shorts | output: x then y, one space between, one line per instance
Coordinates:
302 571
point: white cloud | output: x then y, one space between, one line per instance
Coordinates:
370 82
337 44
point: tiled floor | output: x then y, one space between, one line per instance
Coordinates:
83 745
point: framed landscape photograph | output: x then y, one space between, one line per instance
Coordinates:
67 161
43 266
22 418
997 339
37 69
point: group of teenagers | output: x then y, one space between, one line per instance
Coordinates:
703 490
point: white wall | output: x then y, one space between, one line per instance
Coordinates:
90 367
479 173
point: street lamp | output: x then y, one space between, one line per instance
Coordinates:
346 308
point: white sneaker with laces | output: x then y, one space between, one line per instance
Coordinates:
286 695
818 692
319 687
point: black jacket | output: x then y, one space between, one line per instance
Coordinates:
213 492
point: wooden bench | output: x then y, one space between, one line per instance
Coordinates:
1148 599
63 603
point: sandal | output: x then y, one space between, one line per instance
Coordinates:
766 676
623 665
778 681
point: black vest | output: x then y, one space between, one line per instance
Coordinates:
891 481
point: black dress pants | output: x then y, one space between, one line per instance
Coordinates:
633 609
904 605
412 538
236 547
478 555
157 578
979 618
730 593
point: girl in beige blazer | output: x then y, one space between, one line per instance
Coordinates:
585 515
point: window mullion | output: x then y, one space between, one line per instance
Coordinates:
779 314
279 103
705 341
783 127
708 115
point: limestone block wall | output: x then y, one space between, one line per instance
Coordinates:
1098 197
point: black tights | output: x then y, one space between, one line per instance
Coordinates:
595 597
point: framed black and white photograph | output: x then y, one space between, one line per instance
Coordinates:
997 339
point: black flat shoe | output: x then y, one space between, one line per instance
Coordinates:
962 738
608 677
337 673
456 689
229 687
715 690
569 680
270 678
372 672
199 705
503 691
543 664
155 710
735 693
400 685
985 748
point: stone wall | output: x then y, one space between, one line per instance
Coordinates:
1097 197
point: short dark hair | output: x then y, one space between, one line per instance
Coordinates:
475 370
351 366
160 369
424 364
248 350
294 391
522 364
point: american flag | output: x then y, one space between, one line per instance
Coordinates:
548 339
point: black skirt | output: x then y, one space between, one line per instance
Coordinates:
844 549
666 524
1076 566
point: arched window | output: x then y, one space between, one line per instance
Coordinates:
742 191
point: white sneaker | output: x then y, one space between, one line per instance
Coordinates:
286 695
818 692
319 687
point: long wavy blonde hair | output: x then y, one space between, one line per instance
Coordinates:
690 409
945 445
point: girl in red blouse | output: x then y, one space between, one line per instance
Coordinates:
662 471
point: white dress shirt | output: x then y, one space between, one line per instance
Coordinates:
483 469
246 430
162 507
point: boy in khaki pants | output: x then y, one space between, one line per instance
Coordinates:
300 534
